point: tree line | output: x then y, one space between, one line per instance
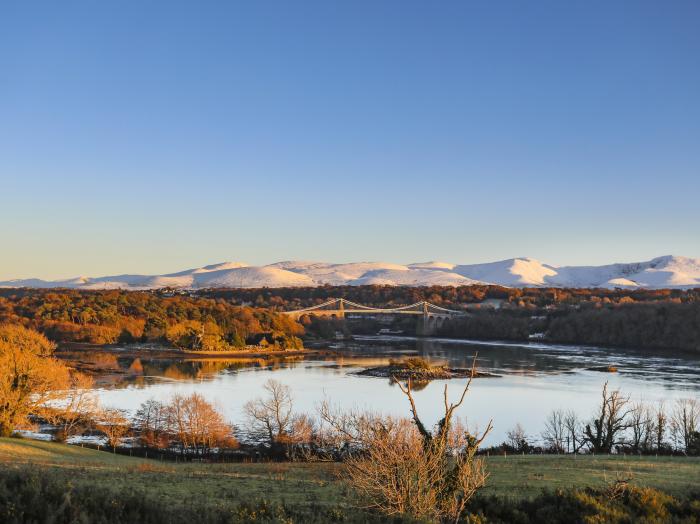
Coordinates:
643 319
453 297
653 325
214 320
617 425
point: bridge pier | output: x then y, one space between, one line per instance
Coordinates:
428 324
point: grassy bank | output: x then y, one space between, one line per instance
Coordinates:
513 477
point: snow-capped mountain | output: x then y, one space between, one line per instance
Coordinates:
662 272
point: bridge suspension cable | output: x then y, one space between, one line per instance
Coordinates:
353 307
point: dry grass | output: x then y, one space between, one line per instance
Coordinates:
514 476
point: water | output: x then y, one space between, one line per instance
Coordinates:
534 379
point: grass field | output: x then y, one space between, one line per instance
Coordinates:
321 483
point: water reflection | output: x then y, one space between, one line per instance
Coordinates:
119 371
536 359
535 378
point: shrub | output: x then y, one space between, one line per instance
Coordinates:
631 504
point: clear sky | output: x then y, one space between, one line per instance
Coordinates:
154 136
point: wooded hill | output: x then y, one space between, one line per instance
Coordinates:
107 317
447 296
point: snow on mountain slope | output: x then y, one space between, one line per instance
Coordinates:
669 271
413 277
433 265
661 272
299 265
251 277
337 274
37 282
206 269
512 272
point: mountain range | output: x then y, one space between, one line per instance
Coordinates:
661 272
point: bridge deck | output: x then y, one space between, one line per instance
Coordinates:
330 307
350 311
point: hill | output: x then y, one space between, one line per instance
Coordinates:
658 273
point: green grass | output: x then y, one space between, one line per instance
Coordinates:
280 482
526 476
321 483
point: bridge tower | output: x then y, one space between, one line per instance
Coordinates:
341 308
426 323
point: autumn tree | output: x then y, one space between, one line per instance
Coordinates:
76 409
153 424
30 378
197 426
114 424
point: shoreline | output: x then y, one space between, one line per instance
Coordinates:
156 351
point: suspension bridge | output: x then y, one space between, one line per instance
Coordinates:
431 317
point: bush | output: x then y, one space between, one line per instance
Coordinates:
411 363
609 505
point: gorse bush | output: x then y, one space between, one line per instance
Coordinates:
402 467
584 506
416 363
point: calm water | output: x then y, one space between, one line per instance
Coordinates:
534 379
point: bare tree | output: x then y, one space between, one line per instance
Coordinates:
407 468
114 424
272 415
555 432
575 439
342 432
272 418
641 425
516 438
610 421
685 422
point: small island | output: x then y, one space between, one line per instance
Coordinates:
420 370
603 369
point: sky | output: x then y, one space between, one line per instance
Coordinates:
150 137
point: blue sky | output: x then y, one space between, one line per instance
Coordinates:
155 136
